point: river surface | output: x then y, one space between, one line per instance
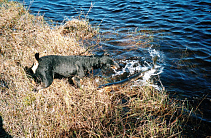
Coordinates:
178 30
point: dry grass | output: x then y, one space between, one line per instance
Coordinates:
62 110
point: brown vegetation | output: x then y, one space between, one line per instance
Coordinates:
63 110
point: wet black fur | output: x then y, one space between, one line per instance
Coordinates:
71 67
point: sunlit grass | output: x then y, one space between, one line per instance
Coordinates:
63 110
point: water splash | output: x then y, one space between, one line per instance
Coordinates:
150 69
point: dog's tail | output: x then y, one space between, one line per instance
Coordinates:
37 56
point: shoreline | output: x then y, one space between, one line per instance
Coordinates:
62 110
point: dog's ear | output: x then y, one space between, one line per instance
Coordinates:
37 56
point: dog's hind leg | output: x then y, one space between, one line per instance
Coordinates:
80 74
80 69
76 81
46 80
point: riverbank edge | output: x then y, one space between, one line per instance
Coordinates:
63 110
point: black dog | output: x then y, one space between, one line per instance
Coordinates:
74 67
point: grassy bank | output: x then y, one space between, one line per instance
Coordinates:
63 110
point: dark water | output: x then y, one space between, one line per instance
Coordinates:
181 30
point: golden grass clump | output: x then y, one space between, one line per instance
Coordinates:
62 110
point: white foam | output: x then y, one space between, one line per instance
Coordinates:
148 68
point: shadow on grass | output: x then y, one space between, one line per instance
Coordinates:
3 133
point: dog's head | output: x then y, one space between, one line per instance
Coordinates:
108 62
